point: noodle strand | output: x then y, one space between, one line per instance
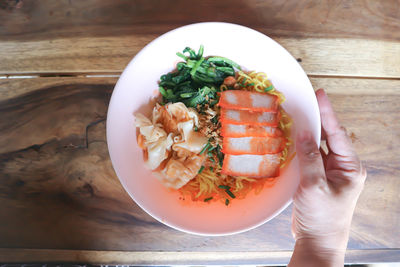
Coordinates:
206 184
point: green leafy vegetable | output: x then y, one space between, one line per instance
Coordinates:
186 95
201 50
196 80
182 56
196 66
191 52
196 83
224 61
162 91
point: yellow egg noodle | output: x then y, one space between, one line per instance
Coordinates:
211 183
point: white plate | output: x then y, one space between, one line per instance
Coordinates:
138 85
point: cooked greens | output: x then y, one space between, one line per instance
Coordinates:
197 79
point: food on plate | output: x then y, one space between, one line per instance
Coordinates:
218 133
246 117
253 145
172 146
266 165
248 100
242 130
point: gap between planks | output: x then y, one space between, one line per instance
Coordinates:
118 74
60 75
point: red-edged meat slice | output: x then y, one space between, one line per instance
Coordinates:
230 116
246 100
236 130
257 166
253 145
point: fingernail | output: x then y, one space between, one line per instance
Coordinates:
320 91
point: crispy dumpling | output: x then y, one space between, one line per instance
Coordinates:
158 151
189 139
181 168
151 132
156 141
171 143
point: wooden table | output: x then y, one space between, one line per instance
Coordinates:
60 199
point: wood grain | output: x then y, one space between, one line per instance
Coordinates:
367 19
342 38
60 198
179 258
318 56
356 86
29 105
371 121
58 177
65 185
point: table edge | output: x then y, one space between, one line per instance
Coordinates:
14 255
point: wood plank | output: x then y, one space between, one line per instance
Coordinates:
87 97
346 57
58 189
24 20
318 56
15 88
357 86
180 258
342 38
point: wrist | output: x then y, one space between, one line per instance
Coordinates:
308 252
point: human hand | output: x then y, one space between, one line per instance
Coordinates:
330 185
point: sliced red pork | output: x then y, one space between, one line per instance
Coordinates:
237 130
258 166
230 116
253 145
246 100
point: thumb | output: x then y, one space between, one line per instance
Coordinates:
310 160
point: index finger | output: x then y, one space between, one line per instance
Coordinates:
339 142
